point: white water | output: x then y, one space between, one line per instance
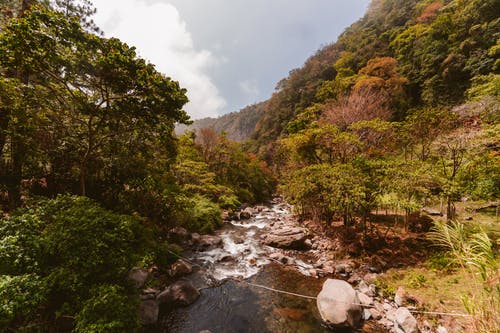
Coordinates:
242 254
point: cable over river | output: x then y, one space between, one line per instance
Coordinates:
229 306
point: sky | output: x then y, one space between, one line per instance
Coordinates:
226 53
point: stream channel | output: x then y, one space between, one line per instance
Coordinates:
229 306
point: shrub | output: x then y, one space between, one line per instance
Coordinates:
109 310
202 215
57 252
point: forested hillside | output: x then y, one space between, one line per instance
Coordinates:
403 109
92 175
238 126
386 144
410 54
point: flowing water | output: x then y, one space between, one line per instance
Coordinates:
229 306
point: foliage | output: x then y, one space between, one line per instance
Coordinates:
323 191
42 250
473 251
202 215
108 310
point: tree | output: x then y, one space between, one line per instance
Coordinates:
451 151
323 191
94 100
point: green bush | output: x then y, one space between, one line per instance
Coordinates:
109 310
202 215
70 246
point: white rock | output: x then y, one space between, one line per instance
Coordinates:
442 329
364 299
338 304
406 321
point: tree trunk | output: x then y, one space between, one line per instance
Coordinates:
83 179
407 219
449 213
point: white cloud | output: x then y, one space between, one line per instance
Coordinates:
161 36
250 87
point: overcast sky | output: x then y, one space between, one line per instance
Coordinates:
227 53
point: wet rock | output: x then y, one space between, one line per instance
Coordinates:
338 304
308 244
226 258
405 320
180 268
181 293
238 239
287 238
138 276
260 208
178 235
148 312
206 242
195 237
246 213
278 257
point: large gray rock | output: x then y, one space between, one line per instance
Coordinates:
405 320
138 276
148 312
287 238
181 293
338 304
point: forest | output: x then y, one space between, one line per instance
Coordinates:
401 114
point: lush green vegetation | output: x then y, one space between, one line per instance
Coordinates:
400 113
92 174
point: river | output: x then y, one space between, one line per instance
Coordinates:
229 306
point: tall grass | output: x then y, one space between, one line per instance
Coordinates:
474 252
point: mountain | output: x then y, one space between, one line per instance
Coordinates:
416 53
238 126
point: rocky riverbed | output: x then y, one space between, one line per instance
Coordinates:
266 246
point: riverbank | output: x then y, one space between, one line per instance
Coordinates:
268 246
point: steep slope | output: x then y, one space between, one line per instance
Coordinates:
441 53
238 126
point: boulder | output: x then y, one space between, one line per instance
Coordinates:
338 304
405 320
246 213
287 238
181 293
148 312
206 242
178 235
239 239
180 268
138 276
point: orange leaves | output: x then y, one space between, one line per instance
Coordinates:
430 12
